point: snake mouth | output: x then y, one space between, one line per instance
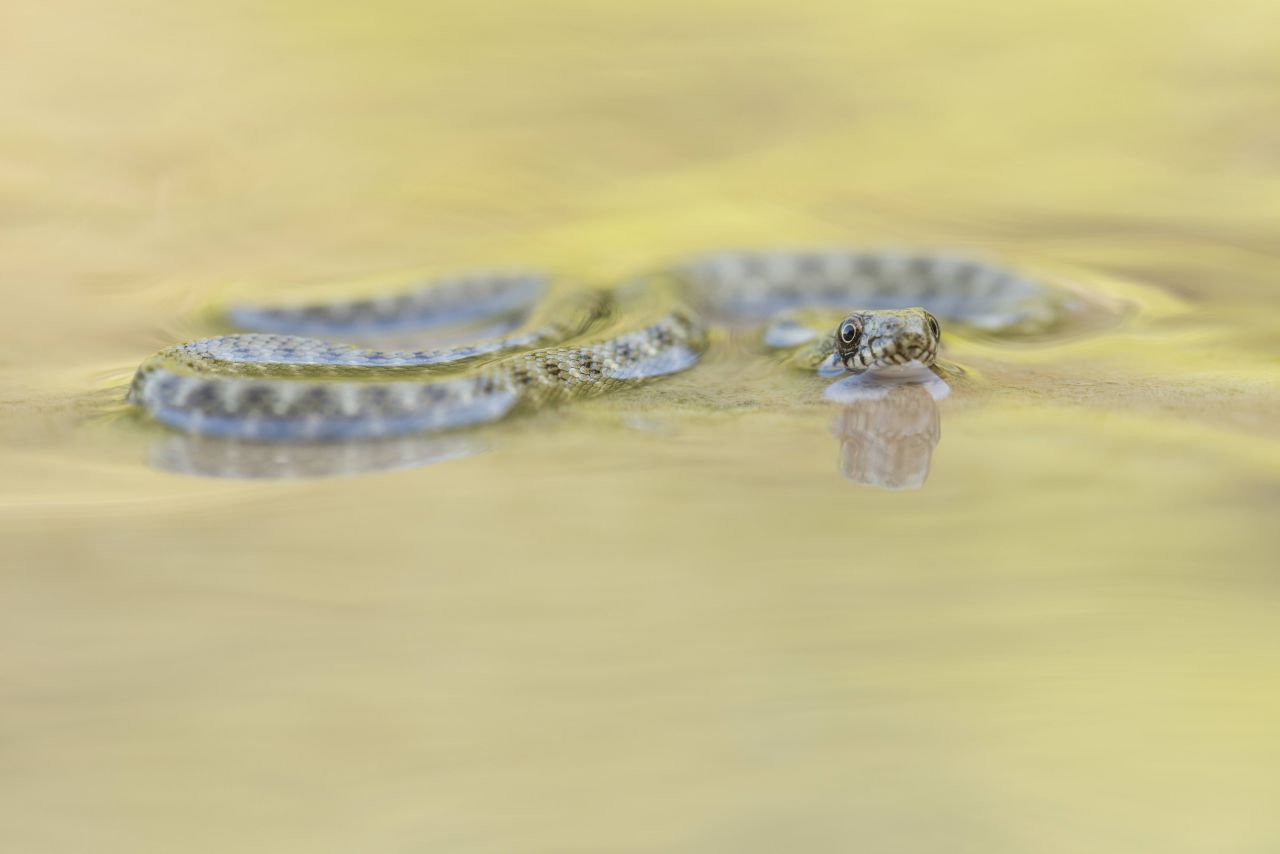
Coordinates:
889 353
915 351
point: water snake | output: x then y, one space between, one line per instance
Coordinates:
286 378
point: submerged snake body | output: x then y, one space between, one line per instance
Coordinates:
278 383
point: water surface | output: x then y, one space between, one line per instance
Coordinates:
692 618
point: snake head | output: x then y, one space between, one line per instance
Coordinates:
870 340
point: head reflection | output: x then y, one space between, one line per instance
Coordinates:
887 432
212 457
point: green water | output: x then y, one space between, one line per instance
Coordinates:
690 618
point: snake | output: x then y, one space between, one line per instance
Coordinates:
302 373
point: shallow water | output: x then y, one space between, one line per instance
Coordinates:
721 613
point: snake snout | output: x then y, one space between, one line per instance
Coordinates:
900 337
916 336
913 346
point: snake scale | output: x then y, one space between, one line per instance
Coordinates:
286 377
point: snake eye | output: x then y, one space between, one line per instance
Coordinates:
849 331
934 329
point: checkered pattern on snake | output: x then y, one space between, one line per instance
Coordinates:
278 383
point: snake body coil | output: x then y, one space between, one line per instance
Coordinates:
279 382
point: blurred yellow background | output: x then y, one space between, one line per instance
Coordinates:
681 632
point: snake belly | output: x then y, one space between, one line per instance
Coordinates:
286 379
